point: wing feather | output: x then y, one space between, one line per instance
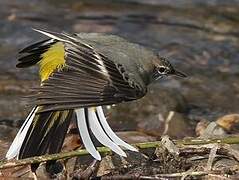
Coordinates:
88 79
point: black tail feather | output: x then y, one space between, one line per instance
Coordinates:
46 133
60 132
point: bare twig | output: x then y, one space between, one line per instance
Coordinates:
232 152
212 156
86 174
105 150
168 119
182 174
187 173
159 176
169 145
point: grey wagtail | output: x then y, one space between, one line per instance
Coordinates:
79 74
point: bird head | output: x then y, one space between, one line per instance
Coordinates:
162 68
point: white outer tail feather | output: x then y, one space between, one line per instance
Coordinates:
98 125
102 131
84 133
15 147
110 132
100 134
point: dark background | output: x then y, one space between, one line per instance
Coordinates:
199 37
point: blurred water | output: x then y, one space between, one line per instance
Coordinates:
200 37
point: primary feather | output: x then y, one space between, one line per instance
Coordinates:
75 77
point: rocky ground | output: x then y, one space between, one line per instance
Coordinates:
199 37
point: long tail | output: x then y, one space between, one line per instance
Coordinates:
41 133
17 142
45 132
93 119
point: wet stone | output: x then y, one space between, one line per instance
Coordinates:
132 137
176 125
154 125
154 106
229 122
213 130
179 126
201 126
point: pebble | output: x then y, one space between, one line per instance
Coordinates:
229 122
176 125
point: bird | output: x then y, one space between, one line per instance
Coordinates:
80 74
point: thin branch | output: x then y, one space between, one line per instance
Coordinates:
181 174
159 176
212 155
105 150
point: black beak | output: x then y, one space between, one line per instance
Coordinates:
179 74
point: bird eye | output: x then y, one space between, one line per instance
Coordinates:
162 69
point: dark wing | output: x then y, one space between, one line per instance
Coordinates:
32 54
88 79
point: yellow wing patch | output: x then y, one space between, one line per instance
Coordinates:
53 59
